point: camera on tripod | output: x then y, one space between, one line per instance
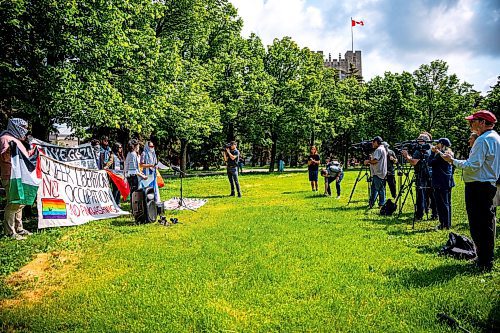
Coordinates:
412 146
365 147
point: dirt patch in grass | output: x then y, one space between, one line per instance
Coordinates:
42 276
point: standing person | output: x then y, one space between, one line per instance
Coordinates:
419 161
241 163
472 138
281 165
131 168
16 132
378 168
313 167
231 157
481 172
442 182
118 161
118 157
149 161
391 175
105 154
96 146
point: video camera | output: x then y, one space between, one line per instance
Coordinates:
412 146
363 146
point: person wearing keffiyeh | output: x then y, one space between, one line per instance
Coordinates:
149 161
17 130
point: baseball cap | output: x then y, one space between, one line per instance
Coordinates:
445 141
378 139
483 114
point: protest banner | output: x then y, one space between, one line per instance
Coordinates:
70 195
82 156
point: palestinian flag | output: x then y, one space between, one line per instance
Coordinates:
120 182
25 176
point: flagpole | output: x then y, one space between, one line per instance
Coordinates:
352 38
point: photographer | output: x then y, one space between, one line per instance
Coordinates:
442 181
313 167
332 172
231 157
419 161
391 177
378 168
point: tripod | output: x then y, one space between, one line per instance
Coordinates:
406 186
365 168
181 202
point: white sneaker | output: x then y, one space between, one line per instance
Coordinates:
338 196
24 232
18 237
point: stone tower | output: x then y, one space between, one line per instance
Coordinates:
352 60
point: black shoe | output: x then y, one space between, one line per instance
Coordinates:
232 194
239 195
439 227
433 217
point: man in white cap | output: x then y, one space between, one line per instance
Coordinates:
481 172
16 131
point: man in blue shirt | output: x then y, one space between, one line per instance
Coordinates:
231 156
481 172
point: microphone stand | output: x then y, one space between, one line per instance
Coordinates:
181 202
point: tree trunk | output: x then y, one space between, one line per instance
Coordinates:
184 146
273 152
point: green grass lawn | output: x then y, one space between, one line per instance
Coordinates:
282 258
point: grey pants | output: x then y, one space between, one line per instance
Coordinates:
232 174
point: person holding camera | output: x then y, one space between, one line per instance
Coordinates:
391 176
333 172
442 181
313 168
481 171
419 160
231 157
378 167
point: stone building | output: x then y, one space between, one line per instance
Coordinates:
350 64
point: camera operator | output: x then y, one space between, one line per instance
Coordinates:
391 176
378 168
481 171
442 182
419 161
231 157
333 172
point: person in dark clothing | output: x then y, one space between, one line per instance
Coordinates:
425 196
390 178
442 182
231 157
313 168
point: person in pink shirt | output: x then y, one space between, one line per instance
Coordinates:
16 132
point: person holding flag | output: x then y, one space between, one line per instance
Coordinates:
13 136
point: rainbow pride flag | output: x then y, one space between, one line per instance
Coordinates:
54 209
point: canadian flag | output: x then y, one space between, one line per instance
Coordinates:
353 23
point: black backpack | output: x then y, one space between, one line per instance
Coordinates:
388 208
459 247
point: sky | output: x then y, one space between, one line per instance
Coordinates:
397 36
